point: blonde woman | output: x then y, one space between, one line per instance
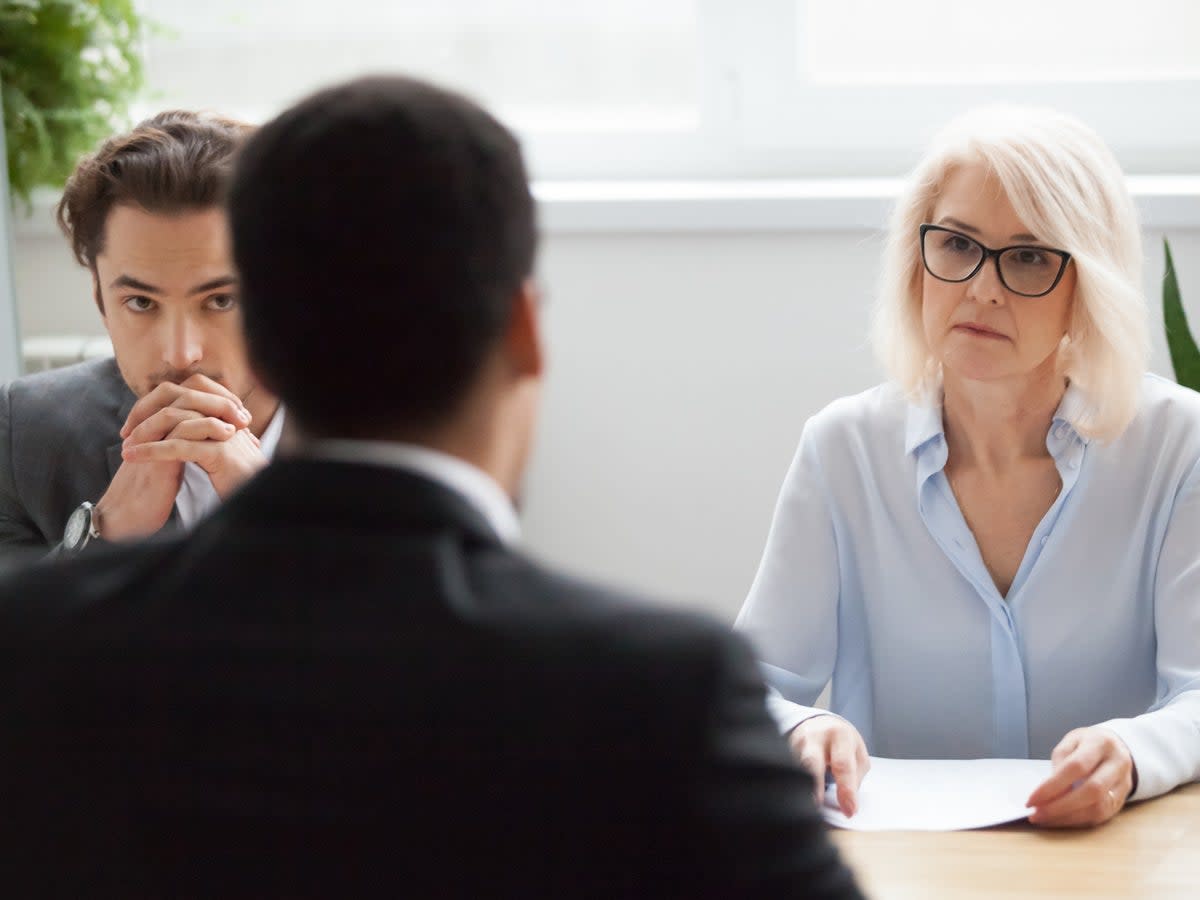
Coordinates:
997 553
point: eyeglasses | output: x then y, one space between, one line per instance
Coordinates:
1026 270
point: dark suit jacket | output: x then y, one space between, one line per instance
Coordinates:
342 684
60 444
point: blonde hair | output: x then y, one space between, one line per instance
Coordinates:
1066 186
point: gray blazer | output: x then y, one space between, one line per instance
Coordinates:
60 444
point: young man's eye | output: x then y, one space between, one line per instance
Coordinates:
139 304
221 302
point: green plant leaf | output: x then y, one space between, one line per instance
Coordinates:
68 70
1185 355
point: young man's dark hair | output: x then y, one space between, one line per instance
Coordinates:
173 162
349 680
410 193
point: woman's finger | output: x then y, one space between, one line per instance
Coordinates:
1069 769
1096 799
843 763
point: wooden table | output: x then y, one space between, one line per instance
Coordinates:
1151 850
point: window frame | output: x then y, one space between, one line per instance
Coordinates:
756 119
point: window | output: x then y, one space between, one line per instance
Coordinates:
936 42
677 89
850 86
577 80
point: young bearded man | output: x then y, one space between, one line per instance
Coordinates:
348 680
116 449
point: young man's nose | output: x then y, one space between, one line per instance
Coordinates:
183 344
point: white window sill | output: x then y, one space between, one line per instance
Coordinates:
859 204
1165 202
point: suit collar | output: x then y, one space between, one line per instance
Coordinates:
477 486
350 497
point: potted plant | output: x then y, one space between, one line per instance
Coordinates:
68 70
1185 355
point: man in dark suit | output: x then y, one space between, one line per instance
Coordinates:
348 680
144 214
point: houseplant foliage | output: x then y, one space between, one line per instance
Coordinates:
68 69
1185 356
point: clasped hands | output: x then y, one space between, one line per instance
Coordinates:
197 421
1091 778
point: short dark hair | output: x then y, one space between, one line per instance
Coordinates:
175 162
382 230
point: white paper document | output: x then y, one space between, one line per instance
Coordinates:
940 794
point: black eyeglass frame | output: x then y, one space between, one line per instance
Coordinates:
989 253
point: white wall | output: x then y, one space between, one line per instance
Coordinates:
682 367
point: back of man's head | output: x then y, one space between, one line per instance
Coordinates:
382 230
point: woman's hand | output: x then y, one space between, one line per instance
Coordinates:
828 742
1093 776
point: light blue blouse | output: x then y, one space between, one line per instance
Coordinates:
872 577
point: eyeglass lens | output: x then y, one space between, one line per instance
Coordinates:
1025 270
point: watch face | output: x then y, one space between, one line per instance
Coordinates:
76 526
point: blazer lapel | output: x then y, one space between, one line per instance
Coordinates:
114 460
114 451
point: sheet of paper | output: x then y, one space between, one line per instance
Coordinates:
940 794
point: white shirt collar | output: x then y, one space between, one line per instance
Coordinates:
270 436
479 488
923 422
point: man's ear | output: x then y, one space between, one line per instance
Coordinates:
524 338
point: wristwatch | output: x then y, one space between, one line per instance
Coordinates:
82 528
